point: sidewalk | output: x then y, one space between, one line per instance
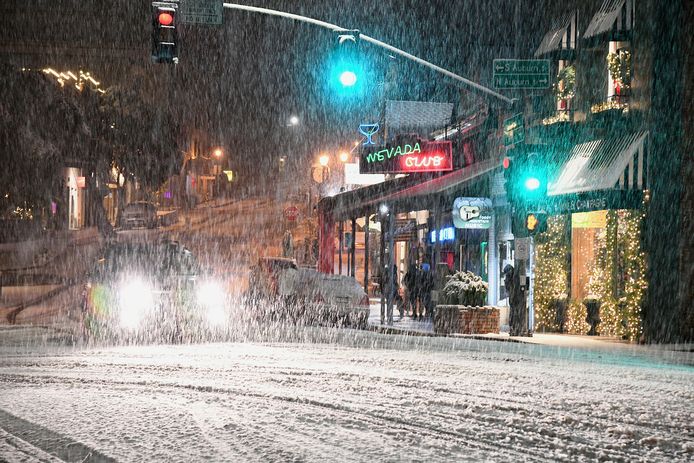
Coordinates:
409 326
404 325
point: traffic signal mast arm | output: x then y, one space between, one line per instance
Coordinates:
467 83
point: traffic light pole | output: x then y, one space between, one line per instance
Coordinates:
518 297
316 22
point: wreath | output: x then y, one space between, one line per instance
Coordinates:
566 83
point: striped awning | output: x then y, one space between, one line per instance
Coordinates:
610 163
562 35
617 14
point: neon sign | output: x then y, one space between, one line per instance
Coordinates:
445 234
403 158
393 151
368 130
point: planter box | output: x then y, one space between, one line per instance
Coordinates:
446 319
465 319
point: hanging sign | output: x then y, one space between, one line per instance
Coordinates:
407 156
521 73
473 213
207 12
405 230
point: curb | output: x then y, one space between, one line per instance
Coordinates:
399 331
402 331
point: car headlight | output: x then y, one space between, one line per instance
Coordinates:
135 300
211 297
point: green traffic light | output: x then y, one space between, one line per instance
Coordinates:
532 184
347 68
348 78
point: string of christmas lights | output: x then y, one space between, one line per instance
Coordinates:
617 279
551 273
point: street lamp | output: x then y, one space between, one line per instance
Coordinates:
218 153
294 120
344 156
324 160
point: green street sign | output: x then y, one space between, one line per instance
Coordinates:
514 130
521 66
521 74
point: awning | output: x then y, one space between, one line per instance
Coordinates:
612 13
406 193
603 164
562 35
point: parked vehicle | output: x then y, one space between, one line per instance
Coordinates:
148 292
284 291
139 214
263 278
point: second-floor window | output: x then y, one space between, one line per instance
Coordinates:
618 71
565 87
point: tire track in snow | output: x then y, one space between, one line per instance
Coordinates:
577 437
403 423
50 442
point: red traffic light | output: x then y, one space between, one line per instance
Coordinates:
165 18
506 162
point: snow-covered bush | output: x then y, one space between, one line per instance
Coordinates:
465 288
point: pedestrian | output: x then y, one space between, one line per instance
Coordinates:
411 289
287 244
426 285
516 298
385 285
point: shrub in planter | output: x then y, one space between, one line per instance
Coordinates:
465 288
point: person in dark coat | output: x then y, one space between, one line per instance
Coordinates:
397 299
412 287
426 285
516 298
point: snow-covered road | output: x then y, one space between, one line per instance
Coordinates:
346 396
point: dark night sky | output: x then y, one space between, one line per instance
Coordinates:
239 83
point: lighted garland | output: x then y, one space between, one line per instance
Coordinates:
635 282
551 273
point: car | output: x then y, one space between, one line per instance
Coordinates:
282 290
263 277
139 214
152 291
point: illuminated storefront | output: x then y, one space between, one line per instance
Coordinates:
592 252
